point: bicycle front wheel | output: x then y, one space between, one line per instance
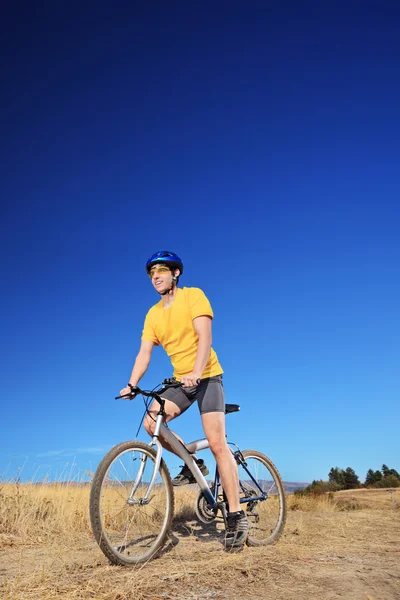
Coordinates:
131 525
259 477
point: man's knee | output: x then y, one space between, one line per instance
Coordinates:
218 446
149 425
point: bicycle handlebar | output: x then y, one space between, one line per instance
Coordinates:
167 383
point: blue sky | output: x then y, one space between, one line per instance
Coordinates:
260 143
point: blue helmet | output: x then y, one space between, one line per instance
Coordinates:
166 258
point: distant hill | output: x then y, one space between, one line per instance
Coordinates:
292 486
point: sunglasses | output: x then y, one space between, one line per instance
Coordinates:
158 269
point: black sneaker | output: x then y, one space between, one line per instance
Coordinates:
185 476
236 530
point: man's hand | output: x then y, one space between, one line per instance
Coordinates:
127 392
190 380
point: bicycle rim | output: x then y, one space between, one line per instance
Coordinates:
266 517
131 529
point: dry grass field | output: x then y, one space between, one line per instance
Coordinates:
345 547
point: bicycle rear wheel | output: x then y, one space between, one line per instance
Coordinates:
130 530
266 517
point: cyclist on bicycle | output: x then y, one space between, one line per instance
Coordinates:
181 323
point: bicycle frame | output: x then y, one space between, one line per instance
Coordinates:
185 453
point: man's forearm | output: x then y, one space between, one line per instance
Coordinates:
139 369
203 355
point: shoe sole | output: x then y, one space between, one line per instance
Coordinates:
235 545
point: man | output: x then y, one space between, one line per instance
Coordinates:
181 323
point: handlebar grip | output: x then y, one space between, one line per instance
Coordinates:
130 396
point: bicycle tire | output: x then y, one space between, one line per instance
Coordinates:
272 509
110 492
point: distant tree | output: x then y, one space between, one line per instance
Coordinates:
318 487
375 478
389 475
351 480
337 477
389 481
370 478
386 471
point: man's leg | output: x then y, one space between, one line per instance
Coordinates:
214 428
237 522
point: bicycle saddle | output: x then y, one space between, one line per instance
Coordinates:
229 408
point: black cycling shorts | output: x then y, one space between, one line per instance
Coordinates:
209 395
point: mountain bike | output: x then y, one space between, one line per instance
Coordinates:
132 497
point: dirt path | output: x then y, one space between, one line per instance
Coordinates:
328 555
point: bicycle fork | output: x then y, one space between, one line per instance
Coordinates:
145 500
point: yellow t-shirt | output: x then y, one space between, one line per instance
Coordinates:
173 328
